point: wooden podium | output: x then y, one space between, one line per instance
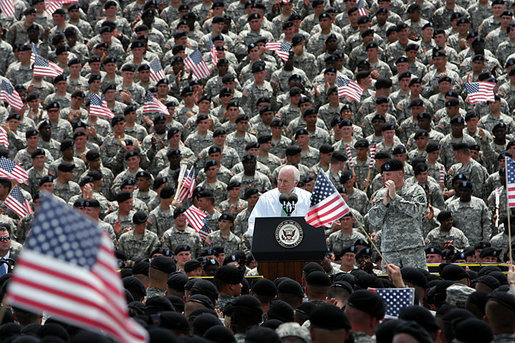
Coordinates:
282 245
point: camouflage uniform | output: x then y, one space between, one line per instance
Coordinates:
251 93
239 143
222 301
436 238
172 238
231 243
474 173
135 247
500 242
279 147
223 174
337 241
67 190
218 188
159 221
259 181
446 152
358 200
241 224
473 218
401 223
126 221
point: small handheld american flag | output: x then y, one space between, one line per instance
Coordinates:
442 174
97 107
12 170
42 67
9 94
214 57
327 205
17 202
197 65
7 7
187 185
362 11
372 152
480 91
153 105
349 88
156 71
510 181
348 151
395 299
282 49
68 270
3 137
196 218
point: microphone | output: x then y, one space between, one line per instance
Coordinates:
293 198
283 198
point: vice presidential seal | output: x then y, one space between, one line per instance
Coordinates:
289 234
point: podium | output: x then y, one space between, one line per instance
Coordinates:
282 245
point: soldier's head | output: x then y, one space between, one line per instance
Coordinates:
393 169
206 200
465 191
5 187
5 239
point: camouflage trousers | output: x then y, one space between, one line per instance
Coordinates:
415 257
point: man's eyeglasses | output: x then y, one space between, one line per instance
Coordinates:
3 239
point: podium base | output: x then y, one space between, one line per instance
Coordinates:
274 269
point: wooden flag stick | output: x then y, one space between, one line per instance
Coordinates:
508 211
369 238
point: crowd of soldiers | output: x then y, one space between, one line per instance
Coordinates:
258 111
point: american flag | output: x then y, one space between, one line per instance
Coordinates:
326 203
42 67
348 151
395 299
9 94
17 202
153 105
442 174
97 107
197 65
214 57
7 7
480 91
187 185
196 218
68 270
362 11
282 49
12 170
349 88
3 137
156 71
372 152
52 5
510 181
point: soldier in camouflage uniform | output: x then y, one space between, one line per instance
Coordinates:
161 218
256 89
224 237
398 209
446 232
228 281
181 234
212 183
138 243
470 214
121 219
250 177
65 188
343 235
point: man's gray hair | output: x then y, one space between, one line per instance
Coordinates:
291 169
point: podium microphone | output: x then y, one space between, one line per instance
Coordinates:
293 198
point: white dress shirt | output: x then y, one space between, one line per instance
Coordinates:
268 205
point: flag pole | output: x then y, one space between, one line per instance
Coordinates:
368 237
508 210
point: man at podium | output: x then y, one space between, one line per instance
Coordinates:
269 205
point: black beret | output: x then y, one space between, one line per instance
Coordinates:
368 302
250 192
258 66
433 250
191 265
37 152
65 167
229 274
139 217
45 179
289 286
453 272
264 287
392 165
472 330
280 310
181 248
318 278
414 276
503 298
123 196
329 317
489 252
399 149
177 280
162 263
